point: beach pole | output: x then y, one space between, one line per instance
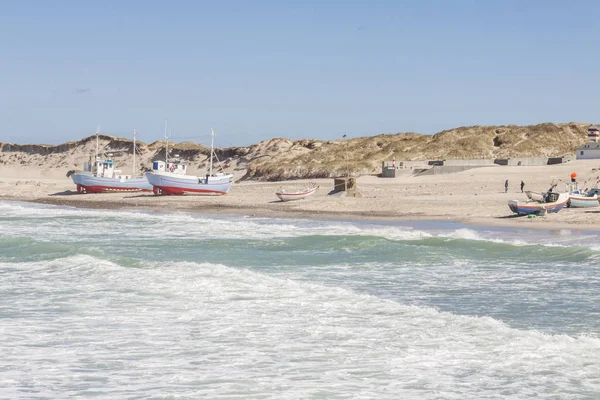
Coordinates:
347 168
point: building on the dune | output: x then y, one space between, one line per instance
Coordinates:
591 149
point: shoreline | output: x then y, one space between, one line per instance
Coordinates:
509 221
474 197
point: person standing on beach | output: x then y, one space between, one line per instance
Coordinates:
506 186
522 186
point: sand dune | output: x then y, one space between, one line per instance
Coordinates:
280 159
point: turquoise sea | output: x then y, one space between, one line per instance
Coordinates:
170 305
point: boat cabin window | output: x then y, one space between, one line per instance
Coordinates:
158 165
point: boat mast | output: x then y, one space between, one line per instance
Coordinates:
134 169
167 145
97 141
212 142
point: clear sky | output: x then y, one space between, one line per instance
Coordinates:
255 70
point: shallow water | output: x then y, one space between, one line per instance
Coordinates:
121 304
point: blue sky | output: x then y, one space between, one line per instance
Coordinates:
255 70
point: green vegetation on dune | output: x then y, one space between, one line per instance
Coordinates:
282 159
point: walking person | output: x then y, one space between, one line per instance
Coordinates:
522 186
506 186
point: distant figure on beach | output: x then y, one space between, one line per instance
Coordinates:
522 186
506 186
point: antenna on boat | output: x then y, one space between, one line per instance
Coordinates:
134 169
212 141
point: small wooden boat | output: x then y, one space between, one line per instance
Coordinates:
297 195
581 200
553 202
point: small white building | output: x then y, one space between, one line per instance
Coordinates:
591 149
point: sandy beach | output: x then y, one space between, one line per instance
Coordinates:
474 197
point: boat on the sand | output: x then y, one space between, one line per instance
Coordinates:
103 176
170 177
285 195
583 198
580 199
553 202
539 197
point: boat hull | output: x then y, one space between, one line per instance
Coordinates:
528 208
87 183
173 184
583 201
296 195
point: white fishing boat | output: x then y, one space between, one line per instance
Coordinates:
170 177
103 176
285 195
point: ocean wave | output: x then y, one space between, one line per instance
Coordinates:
185 325
71 224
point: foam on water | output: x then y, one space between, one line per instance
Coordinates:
119 304
83 326
51 222
178 225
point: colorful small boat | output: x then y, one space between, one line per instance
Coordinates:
170 177
552 203
297 195
104 177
